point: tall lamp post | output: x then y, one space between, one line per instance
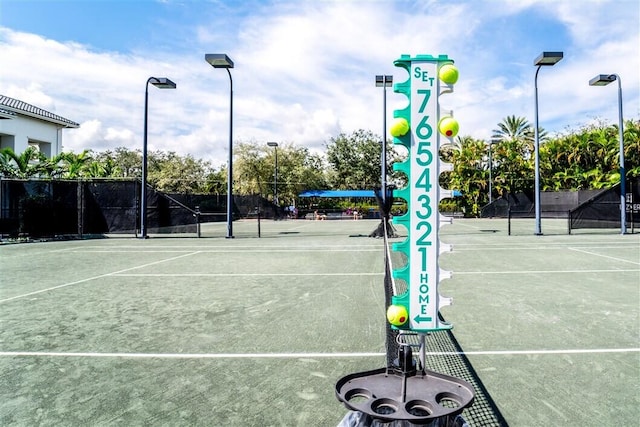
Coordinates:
162 83
384 81
544 59
603 80
275 173
493 141
221 60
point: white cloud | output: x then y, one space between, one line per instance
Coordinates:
305 71
85 136
32 94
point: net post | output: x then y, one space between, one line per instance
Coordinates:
423 351
391 334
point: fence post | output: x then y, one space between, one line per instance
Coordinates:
197 215
80 206
258 212
633 204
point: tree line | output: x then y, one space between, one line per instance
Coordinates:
583 159
587 158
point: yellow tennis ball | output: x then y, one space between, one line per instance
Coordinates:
397 315
448 73
449 127
399 127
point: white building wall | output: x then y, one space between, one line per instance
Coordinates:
31 131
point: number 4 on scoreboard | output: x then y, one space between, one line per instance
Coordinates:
424 181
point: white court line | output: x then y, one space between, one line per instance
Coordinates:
189 355
461 248
38 253
528 352
221 247
242 274
242 251
587 244
455 273
474 227
604 256
305 355
93 278
456 248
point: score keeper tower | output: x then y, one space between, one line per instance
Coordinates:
429 126
405 390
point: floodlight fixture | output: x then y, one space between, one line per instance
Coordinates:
221 60
544 59
548 58
218 60
161 83
603 80
274 145
384 81
491 142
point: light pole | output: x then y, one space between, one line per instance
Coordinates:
544 59
162 83
221 60
603 80
493 141
275 173
384 81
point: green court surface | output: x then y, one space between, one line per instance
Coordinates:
181 331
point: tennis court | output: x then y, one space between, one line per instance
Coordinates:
256 331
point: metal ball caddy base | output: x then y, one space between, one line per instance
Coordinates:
404 392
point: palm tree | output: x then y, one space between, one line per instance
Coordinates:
106 168
25 165
632 147
77 164
6 168
514 128
518 130
54 167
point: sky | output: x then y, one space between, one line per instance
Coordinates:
305 70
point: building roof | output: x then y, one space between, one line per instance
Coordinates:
6 114
11 105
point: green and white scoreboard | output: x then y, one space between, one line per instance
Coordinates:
429 127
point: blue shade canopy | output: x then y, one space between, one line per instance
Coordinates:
350 193
337 193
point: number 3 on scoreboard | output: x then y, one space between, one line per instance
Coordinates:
426 204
